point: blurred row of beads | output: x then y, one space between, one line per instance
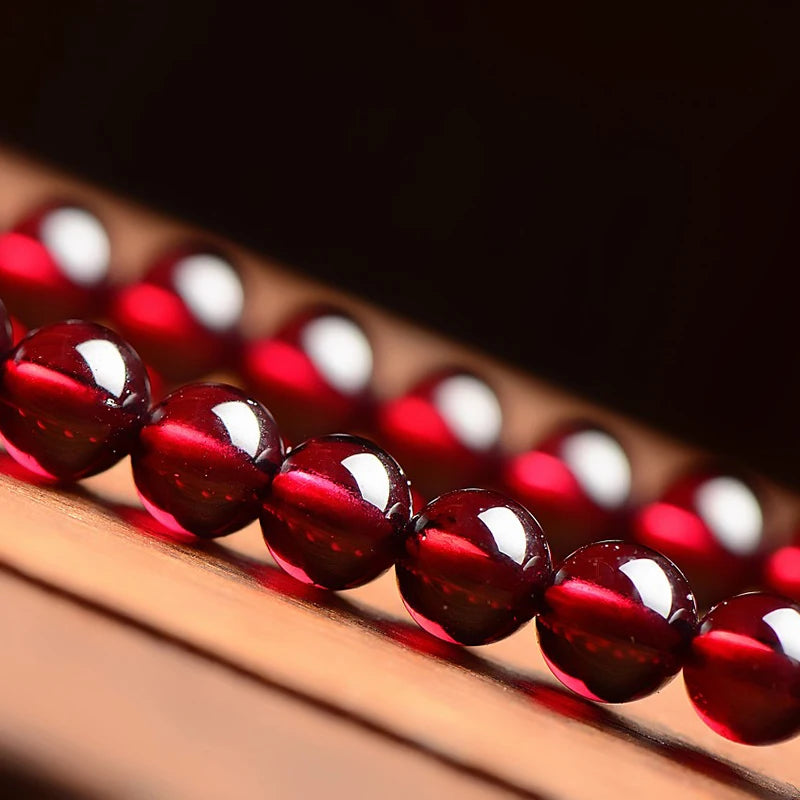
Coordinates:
315 373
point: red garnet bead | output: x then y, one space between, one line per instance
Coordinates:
55 265
743 671
204 459
445 431
712 525
72 398
782 571
617 621
183 316
578 480
473 567
336 511
315 373
6 330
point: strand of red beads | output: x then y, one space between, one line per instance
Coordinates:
315 373
615 621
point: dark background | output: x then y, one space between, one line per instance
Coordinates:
604 194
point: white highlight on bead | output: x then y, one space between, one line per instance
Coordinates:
786 624
211 289
241 423
106 364
340 351
600 465
371 477
732 512
78 243
507 531
652 584
471 410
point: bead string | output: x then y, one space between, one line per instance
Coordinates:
183 317
615 622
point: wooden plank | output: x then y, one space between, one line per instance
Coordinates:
120 714
496 711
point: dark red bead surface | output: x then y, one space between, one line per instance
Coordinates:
204 459
72 398
183 316
617 622
712 525
743 672
54 265
445 431
473 567
6 330
577 481
781 571
336 511
314 373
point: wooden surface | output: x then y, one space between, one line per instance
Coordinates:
139 665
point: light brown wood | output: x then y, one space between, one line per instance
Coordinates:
496 712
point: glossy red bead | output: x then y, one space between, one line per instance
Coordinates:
578 483
6 330
617 622
743 673
72 398
712 525
336 511
183 316
54 265
204 459
446 430
473 566
314 373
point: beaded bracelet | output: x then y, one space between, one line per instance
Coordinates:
615 622
315 375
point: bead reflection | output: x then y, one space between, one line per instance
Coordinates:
340 351
785 622
370 474
78 242
105 363
241 423
471 410
601 466
211 289
652 584
732 512
507 531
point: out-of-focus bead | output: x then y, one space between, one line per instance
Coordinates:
577 482
183 315
446 431
314 373
54 265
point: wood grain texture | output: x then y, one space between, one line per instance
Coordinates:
491 719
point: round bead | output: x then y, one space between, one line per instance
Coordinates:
336 511
578 481
183 316
473 566
446 430
743 671
617 622
314 373
204 459
712 525
54 265
6 330
72 398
